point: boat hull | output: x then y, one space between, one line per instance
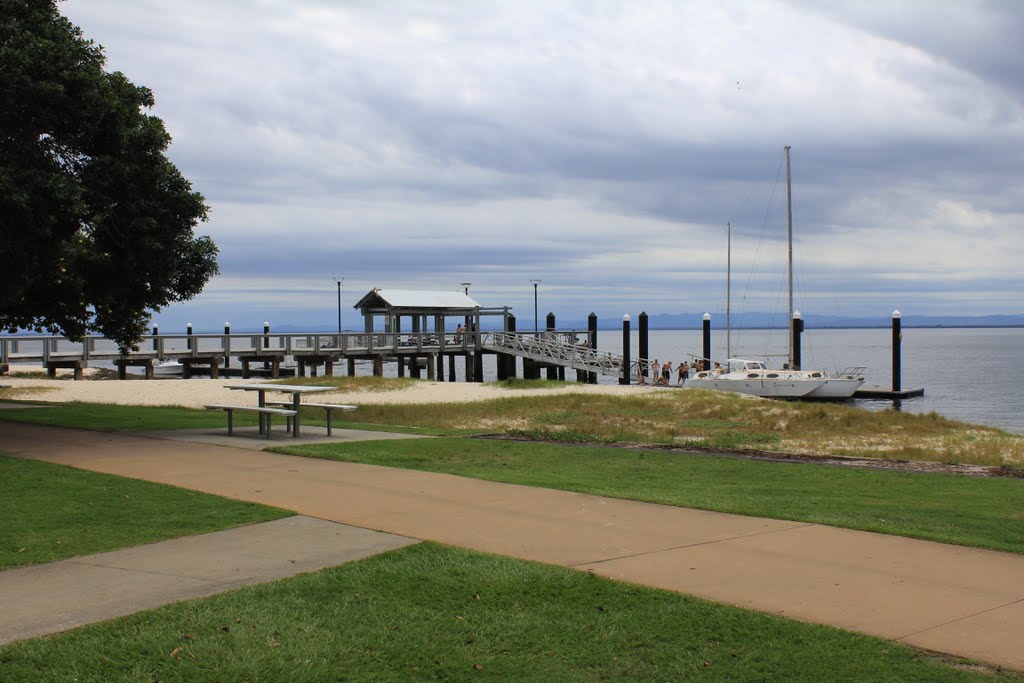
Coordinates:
766 388
836 389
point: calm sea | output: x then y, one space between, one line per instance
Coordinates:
975 375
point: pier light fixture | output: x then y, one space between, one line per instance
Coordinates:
338 281
626 318
707 316
796 315
465 287
897 314
535 282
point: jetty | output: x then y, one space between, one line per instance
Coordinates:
417 335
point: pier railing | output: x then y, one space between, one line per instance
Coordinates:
45 348
567 349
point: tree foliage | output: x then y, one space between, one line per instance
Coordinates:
97 224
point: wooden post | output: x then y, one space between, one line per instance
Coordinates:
227 345
897 340
351 367
188 331
156 333
707 341
430 367
624 378
478 363
592 341
510 360
552 371
644 349
451 367
798 328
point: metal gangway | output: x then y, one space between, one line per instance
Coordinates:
546 347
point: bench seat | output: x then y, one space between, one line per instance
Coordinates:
326 407
252 409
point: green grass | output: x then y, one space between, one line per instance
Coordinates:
117 418
974 511
432 613
50 512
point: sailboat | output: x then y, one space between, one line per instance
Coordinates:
754 377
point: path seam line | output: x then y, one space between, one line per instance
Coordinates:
692 545
966 616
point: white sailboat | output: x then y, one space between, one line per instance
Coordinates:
753 377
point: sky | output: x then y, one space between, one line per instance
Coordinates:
601 147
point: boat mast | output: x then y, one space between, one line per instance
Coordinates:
789 237
728 292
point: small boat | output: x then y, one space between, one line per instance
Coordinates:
169 368
839 387
752 377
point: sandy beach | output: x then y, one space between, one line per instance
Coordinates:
197 392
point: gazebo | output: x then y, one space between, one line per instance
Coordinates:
427 310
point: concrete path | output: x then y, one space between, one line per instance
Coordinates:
54 597
962 601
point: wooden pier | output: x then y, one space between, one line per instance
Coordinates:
417 353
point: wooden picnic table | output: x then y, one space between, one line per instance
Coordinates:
294 389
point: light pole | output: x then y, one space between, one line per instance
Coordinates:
339 281
465 287
535 283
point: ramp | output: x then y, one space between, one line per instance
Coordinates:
547 347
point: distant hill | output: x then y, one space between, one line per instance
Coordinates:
675 321
686 321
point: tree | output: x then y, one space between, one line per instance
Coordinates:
96 224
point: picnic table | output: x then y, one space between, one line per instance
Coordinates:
297 391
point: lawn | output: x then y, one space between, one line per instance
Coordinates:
698 419
431 613
974 511
51 512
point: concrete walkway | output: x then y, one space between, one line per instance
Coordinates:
54 597
952 599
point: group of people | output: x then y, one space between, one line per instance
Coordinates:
662 374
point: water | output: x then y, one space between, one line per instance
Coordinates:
974 375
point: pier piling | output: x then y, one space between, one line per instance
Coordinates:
897 340
552 371
624 377
592 341
798 328
644 347
707 341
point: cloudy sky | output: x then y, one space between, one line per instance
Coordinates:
599 146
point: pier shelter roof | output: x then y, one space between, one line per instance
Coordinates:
407 301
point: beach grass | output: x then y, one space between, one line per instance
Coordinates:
717 420
51 512
430 613
973 511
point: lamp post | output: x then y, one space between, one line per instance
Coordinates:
465 287
339 281
535 282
